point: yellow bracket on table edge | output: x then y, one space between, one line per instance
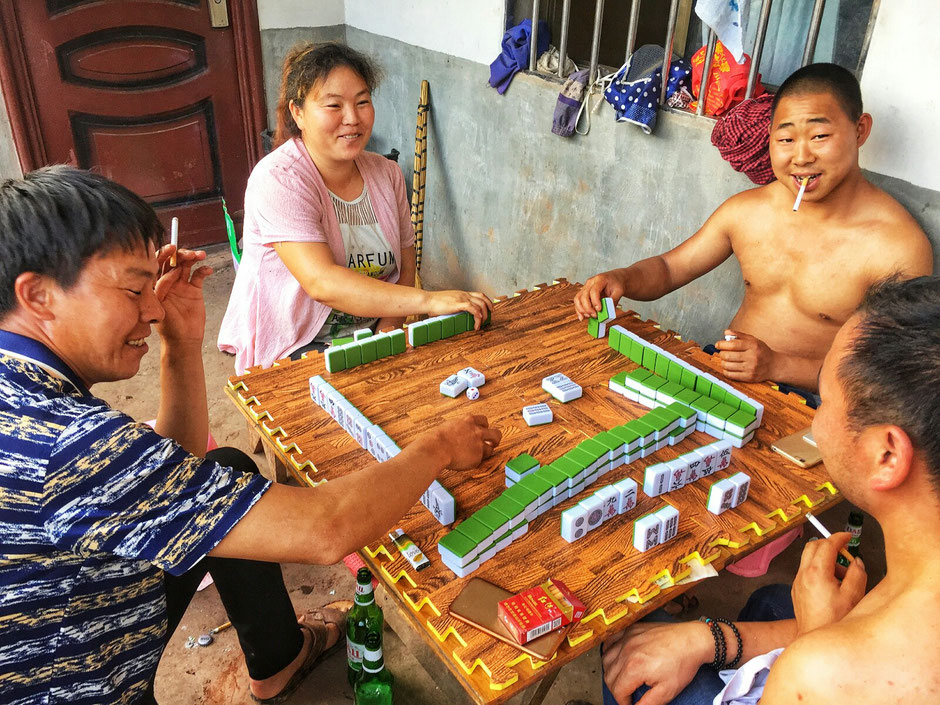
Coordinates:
637 598
447 632
478 662
806 500
696 556
729 542
829 487
781 514
756 528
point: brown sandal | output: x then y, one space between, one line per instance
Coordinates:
315 621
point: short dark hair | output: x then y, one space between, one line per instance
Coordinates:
54 219
307 64
833 79
892 371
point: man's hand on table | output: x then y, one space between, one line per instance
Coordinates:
180 293
746 358
819 597
468 439
665 657
587 302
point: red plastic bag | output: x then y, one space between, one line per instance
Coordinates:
728 83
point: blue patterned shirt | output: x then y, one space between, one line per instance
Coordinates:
93 508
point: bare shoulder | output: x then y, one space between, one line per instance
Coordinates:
890 228
807 671
753 205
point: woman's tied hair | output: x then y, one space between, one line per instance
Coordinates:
306 65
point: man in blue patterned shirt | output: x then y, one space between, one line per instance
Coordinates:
107 526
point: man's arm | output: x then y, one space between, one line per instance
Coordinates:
322 524
657 276
666 657
749 359
184 413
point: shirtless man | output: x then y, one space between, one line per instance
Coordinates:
805 271
880 384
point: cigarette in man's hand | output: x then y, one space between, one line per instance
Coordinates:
799 196
825 534
175 236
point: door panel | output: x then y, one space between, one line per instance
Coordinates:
147 93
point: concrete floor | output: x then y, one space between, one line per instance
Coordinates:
216 674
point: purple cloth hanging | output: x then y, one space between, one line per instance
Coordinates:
515 55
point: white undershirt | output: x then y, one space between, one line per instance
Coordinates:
367 252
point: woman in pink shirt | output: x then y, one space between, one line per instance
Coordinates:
328 241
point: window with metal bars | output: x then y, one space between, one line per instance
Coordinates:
781 35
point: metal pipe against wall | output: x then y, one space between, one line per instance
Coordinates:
534 39
563 49
596 43
706 72
631 30
863 54
667 55
813 33
758 47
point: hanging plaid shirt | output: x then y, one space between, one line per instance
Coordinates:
93 509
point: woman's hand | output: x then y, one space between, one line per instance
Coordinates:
440 303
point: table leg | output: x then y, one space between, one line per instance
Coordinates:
535 694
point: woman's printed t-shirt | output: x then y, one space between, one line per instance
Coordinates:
367 252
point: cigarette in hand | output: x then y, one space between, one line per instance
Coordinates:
175 236
825 534
799 196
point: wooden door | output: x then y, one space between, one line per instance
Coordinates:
147 92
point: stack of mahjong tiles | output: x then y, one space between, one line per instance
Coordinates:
363 348
432 329
370 436
728 493
606 503
597 324
663 379
687 468
655 528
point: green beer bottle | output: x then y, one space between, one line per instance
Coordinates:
374 686
364 618
854 527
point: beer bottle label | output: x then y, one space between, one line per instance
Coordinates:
354 653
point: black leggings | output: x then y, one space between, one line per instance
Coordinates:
252 592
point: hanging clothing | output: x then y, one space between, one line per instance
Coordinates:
569 102
727 85
638 101
729 20
515 55
742 137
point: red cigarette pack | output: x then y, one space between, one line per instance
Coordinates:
539 610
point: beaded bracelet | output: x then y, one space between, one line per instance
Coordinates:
737 636
719 637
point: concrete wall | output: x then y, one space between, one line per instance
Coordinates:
908 144
509 204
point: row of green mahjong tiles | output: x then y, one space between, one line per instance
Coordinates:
682 399
365 347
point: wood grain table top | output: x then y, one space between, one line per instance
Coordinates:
534 334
